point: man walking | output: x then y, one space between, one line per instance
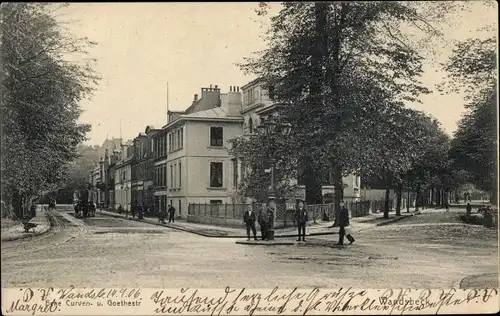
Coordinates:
343 223
249 219
171 214
301 219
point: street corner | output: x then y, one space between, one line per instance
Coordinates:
266 242
18 232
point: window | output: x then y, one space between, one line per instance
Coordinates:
182 138
171 176
216 174
175 176
216 136
164 172
250 126
170 148
235 173
179 207
180 176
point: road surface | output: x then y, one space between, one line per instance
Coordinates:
426 251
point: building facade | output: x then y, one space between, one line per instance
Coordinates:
123 177
198 166
143 169
159 162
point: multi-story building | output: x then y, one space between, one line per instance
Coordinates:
142 169
160 171
123 177
257 106
111 145
198 166
109 177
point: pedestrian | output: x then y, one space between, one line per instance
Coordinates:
171 214
468 208
343 223
446 205
33 209
262 219
162 214
301 219
271 209
140 212
249 219
134 209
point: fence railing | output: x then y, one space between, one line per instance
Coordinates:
232 214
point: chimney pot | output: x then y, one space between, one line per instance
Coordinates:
216 87
196 97
238 89
210 86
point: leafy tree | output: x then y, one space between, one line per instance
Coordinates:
41 90
257 151
472 69
334 64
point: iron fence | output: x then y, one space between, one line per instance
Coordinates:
232 214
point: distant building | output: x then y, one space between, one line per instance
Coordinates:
111 145
143 169
160 171
123 177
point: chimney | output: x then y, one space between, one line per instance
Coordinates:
196 97
238 89
231 88
210 87
216 87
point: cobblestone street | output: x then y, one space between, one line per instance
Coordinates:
428 250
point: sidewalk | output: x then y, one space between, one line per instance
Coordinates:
17 231
318 229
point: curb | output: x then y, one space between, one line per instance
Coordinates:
390 221
26 235
204 234
283 243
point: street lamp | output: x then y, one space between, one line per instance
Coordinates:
271 128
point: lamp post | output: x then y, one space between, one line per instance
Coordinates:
271 128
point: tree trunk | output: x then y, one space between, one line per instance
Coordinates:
433 196
408 201
17 204
388 183
417 198
399 199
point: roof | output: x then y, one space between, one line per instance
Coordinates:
252 82
215 114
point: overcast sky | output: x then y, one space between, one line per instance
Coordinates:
142 46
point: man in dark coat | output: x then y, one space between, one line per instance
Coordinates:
249 219
171 214
263 222
301 219
33 209
343 223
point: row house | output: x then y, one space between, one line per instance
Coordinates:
257 106
160 171
142 169
123 177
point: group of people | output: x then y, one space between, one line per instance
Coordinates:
265 219
170 212
137 210
85 209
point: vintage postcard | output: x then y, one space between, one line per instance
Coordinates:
249 158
